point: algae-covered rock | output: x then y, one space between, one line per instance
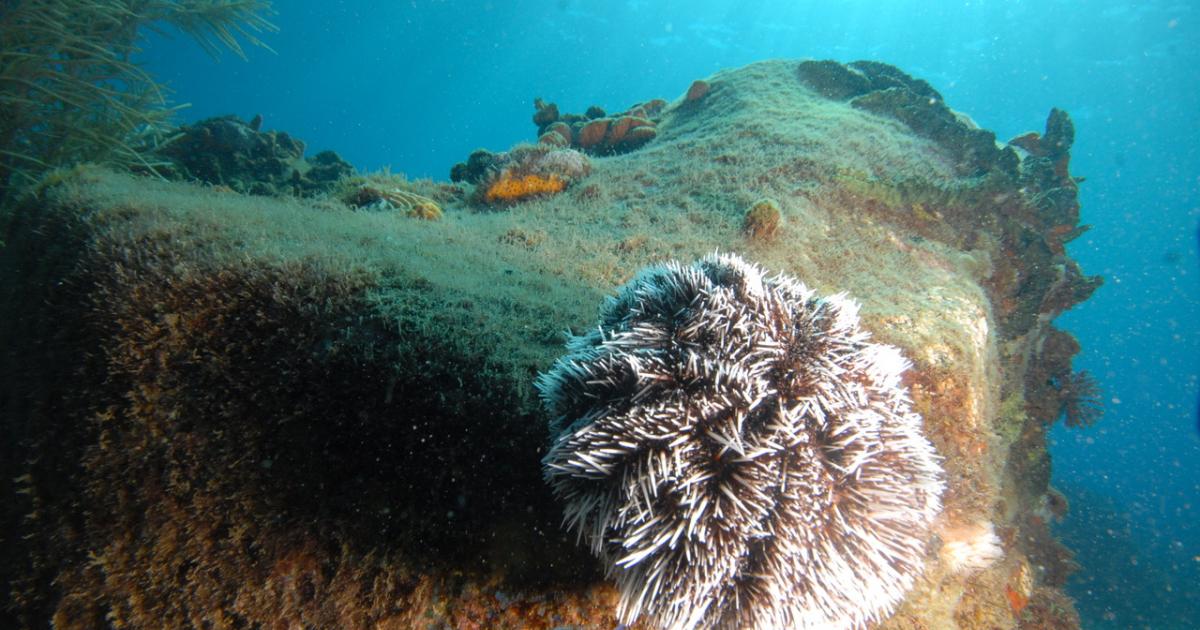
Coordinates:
762 219
886 90
696 91
226 151
597 133
232 411
527 171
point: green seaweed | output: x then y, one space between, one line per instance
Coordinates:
70 91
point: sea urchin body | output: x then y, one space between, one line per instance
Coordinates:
739 454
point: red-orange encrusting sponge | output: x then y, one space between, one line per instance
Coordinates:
510 188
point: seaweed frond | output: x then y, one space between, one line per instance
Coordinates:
1082 400
70 91
217 24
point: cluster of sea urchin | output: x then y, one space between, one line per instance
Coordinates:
739 454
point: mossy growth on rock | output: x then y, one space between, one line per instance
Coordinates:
242 411
271 417
886 90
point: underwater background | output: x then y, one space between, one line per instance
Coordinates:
414 86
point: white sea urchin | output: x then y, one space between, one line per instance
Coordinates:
739 454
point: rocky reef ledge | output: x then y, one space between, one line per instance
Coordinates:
229 411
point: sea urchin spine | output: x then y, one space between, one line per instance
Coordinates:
739 454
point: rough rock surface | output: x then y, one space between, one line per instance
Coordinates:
229 411
225 151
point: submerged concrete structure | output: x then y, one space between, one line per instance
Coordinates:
230 411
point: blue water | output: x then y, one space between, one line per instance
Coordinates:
417 85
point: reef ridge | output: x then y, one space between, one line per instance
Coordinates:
225 410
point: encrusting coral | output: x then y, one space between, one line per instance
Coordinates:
596 132
739 453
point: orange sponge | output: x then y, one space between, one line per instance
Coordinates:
511 188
